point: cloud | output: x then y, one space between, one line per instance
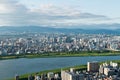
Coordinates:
64 12
12 13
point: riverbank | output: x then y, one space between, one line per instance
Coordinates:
79 68
61 54
24 77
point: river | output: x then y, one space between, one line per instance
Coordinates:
8 68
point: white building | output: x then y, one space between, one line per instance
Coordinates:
50 75
66 75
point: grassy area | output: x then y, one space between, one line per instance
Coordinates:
62 54
70 55
79 67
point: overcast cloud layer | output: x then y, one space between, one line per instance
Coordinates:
12 13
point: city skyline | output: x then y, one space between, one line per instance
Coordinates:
63 13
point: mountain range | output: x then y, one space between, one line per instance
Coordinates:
41 29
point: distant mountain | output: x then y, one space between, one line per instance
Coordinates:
61 30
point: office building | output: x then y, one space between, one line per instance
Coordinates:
93 66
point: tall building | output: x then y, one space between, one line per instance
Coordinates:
93 66
50 75
66 75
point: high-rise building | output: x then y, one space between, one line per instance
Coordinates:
66 75
50 75
93 66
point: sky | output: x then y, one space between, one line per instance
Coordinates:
59 13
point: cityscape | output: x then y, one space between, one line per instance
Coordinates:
40 43
59 40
